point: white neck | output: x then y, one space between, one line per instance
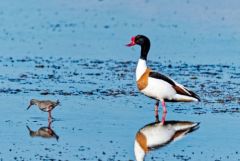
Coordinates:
139 152
141 67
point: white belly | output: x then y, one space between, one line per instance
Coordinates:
158 135
159 89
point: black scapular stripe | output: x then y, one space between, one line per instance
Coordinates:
160 76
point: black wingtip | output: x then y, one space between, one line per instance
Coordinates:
197 97
194 95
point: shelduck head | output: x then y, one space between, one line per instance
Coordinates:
142 41
139 40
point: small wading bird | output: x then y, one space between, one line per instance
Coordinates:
156 85
45 105
157 135
44 132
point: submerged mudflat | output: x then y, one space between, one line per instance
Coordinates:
101 109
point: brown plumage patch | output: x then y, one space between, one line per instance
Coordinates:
179 133
186 92
181 91
143 80
142 140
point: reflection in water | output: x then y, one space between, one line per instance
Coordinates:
157 117
44 132
156 135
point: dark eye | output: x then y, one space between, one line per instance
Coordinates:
140 41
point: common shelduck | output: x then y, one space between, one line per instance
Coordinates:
156 135
156 85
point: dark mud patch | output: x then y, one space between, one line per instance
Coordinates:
216 84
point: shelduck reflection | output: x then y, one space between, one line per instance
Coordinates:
156 135
44 132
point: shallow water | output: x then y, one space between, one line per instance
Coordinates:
101 110
74 51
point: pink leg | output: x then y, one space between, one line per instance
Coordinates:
156 111
164 112
164 117
164 107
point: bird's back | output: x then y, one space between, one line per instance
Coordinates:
47 105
